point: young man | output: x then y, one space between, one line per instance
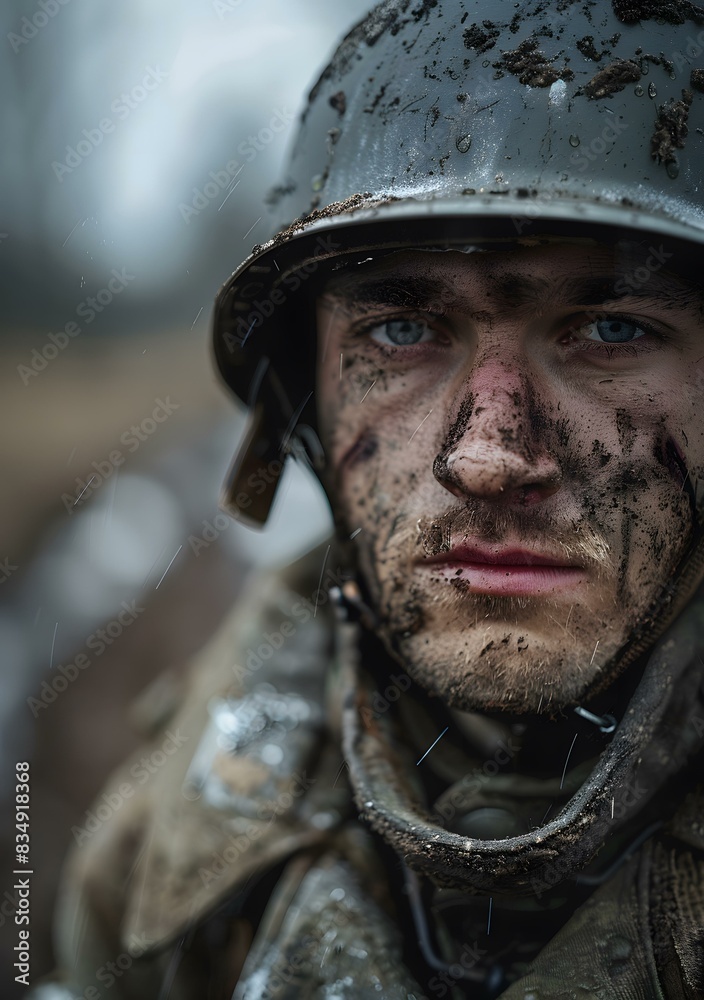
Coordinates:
484 779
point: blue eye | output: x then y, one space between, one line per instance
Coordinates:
615 331
401 332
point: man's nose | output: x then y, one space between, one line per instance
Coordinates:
497 448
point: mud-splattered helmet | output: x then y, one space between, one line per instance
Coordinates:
442 122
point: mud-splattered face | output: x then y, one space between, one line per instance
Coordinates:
517 438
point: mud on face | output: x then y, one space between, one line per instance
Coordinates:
514 433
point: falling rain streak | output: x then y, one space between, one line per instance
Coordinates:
368 391
432 745
569 754
168 567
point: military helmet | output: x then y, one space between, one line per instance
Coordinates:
451 122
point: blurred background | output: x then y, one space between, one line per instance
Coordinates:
140 140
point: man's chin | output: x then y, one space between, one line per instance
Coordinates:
531 678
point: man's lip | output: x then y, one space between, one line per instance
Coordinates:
509 572
478 555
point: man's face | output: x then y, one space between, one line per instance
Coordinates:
516 437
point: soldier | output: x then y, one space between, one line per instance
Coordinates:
456 752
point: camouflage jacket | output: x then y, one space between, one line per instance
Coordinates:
243 863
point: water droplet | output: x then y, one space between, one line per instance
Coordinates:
464 143
619 949
272 754
673 75
317 182
673 168
574 140
485 63
639 91
324 820
652 89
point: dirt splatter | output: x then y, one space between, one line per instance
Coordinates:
612 78
338 101
459 426
626 430
660 60
481 39
351 204
372 107
696 80
423 9
600 453
588 49
278 192
671 128
531 66
671 456
387 16
670 11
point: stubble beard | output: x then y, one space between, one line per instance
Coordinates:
482 652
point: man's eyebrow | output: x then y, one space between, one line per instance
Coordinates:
626 283
413 291
623 282
405 291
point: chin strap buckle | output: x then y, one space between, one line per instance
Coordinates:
605 723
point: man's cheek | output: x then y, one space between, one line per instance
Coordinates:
657 521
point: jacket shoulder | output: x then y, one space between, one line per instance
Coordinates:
229 788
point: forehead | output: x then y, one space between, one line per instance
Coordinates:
566 273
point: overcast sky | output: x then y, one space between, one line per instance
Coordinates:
114 113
